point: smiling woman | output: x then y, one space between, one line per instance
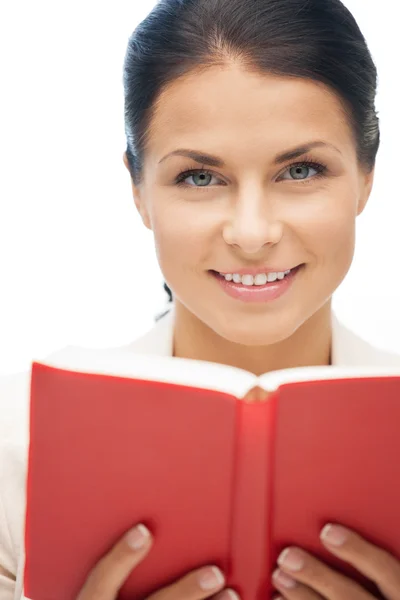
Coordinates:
252 137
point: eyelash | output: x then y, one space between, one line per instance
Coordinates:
318 166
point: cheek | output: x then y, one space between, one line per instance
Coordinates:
330 237
335 236
180 236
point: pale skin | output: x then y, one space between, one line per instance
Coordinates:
251 213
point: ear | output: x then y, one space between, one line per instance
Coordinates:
138 198
366 184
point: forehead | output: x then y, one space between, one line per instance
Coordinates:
232 104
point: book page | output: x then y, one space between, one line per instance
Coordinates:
167 369
273 380
200 374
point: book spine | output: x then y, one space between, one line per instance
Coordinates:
251 500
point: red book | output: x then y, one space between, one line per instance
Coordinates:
118 439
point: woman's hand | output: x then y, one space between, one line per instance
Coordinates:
310 579
108 576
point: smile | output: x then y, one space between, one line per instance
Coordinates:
259 288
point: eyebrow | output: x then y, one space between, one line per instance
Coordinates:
215 161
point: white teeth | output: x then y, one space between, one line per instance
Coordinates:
247 280
260 279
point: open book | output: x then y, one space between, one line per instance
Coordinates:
118 439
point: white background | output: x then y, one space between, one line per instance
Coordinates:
76 264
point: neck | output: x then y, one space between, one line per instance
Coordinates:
310 345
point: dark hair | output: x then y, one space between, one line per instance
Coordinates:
312 39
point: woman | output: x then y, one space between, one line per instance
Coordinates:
252 139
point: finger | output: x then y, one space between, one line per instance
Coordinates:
373 562
311 572
197 585
291 588
108 576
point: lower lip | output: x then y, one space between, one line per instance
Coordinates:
257 293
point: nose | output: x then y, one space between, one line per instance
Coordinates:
253 224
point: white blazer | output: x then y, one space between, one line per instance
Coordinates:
347 349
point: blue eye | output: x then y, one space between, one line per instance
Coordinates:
203 178
301 171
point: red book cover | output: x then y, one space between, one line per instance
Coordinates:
120 439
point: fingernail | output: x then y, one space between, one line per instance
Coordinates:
229 595
138 537
334 535
284 580
211 578
291 559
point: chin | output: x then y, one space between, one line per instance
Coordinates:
256 335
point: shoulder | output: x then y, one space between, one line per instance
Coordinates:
14 435
14 404
352 349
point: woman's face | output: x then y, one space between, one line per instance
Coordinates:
253 210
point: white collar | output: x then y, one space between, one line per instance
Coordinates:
347 348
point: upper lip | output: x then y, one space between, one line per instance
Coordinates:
250 271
